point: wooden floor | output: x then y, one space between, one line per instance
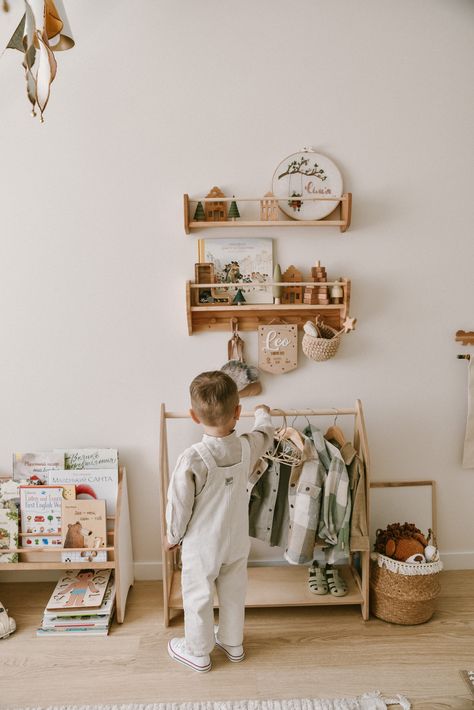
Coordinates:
291 653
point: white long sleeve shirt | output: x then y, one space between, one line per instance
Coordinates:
190 473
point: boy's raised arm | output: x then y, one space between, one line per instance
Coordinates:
261 436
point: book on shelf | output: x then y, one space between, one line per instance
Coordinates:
80 589
84 526
41 514
34 466
89 458
76 621
73 631
9 492
8 533
92 483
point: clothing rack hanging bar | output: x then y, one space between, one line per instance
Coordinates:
279 413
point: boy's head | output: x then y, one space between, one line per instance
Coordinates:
214 398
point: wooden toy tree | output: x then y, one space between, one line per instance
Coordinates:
233 211
199 215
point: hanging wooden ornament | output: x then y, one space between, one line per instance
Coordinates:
277 348
246 377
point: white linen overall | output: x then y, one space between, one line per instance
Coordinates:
215 549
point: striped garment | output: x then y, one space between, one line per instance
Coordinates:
335 517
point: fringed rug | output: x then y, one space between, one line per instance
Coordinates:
368 701
469 678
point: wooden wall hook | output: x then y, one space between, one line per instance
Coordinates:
465 337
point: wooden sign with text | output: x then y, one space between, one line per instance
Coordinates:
277 348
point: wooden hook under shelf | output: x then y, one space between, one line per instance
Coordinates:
464 357
465 337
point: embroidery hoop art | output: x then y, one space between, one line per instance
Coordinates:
297 184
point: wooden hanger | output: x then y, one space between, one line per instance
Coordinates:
294 445
334 433
289 433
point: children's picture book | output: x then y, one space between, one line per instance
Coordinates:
241 261
80 589
9 491
41 513
107 606
90 483
8 533
89 458
84 525
33 467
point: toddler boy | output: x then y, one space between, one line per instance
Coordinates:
207 513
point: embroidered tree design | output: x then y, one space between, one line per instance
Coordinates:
302 167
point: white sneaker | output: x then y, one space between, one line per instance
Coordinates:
177 650
233 653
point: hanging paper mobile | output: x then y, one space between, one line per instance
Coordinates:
43 30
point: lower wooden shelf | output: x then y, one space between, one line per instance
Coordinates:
56 565
281 585
251 315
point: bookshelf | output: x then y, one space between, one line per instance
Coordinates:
119 552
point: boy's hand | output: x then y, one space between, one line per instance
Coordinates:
169 546
262 406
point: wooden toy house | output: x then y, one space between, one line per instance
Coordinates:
269 208
292 294
215 211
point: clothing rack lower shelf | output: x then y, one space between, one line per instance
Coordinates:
281 585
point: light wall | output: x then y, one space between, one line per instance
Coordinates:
160 98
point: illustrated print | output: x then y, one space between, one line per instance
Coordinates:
79 587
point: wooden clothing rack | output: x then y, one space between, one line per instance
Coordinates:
283 584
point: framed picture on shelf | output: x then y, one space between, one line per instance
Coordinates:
241 261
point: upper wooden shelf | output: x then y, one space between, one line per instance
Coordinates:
340 217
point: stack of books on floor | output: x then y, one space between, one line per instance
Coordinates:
82 604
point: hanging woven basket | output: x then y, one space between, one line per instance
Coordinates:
403 593
323 348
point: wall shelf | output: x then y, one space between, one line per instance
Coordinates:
340 217
209 317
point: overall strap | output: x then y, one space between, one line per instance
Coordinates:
245 452
205 454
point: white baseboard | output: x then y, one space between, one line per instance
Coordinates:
451 561
147 571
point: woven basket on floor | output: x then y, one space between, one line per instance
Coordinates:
403 593
324 348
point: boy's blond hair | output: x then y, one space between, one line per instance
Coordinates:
214 397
